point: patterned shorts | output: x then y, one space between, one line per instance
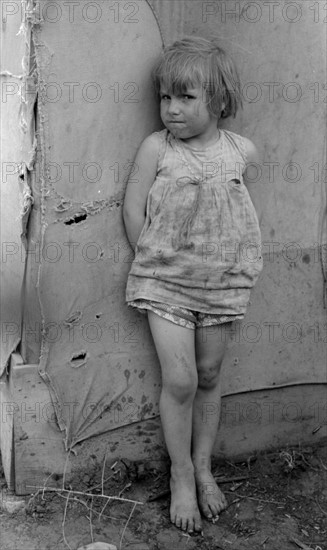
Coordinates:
181 316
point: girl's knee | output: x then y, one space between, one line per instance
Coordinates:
208 375
182 388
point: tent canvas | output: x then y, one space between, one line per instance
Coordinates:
76 112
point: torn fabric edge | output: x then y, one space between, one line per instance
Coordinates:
27 203
46 378
40 61
33 118
26 123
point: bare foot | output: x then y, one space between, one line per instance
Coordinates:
211 499
184 511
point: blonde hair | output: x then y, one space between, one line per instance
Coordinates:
196 61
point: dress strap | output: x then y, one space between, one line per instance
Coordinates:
163 136
237 142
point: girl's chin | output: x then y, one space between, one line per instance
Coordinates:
178 131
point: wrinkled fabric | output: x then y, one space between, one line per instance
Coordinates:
182 316
200 246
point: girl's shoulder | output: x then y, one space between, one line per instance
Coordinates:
244 146
151 147
158 143
153 141
160 136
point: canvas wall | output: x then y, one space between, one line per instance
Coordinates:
91 103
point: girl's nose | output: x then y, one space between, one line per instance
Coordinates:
173 106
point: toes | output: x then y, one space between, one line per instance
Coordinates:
198 526
190 527
215 519
218 507
220 504
224 503
214 511
185 524
212 508
178 522
207 512
195 526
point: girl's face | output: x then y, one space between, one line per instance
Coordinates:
186 115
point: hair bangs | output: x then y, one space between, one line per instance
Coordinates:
178 72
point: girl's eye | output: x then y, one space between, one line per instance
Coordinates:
186 96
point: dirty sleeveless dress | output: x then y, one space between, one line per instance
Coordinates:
200 246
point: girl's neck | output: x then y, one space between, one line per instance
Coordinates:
201 143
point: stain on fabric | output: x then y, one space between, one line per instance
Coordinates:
306 259
146 409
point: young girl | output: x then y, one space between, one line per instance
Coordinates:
196 238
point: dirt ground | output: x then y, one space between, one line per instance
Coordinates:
277 501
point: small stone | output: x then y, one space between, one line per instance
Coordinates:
12 504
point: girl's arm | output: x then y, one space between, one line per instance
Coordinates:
253 169
134 209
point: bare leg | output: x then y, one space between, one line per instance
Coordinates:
210 350
176 351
